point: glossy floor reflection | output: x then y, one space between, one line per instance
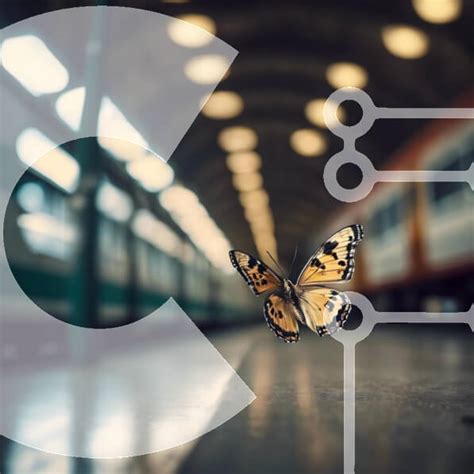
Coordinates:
415 394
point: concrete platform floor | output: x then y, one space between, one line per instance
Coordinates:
414 410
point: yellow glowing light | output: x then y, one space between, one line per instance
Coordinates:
114 131
123 150
47 225
152 173
266 243
308 142
254 199
146 226
263 224
69 106
244 162
223 105
256 213
36 150
186 210
206 68
30 61
178 198
233 139
247 181
405 41
199 33
113 202
314 112
345 74
438 11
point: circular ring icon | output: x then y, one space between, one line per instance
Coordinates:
367 170
349 132
354 336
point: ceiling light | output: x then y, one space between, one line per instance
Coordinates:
254 199
69 106
237 138
178 199
113 202
47 235
152 173
247 181
186 210
314 112
206 68
266 243
46 158
244 162
30 61
123 150
346 74
149 228
113 124
264 224
48 225
200 32
255 213
223 105
405 41
308 142
438 11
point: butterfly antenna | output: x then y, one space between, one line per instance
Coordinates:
293 261
275 262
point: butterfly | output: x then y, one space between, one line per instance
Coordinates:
323 310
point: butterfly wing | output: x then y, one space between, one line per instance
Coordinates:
325 310
334 260
280 316
258 276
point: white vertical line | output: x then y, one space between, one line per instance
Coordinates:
349 408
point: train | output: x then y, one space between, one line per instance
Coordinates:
418 250
45 265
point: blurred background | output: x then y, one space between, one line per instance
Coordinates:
115 233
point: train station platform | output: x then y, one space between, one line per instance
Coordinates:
414 410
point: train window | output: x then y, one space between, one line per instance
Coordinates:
113 203
387 217
31 197
441 192
47 226
112 240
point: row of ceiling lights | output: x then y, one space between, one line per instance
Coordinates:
50 76
61 169
403 41
432 11
31 62
245 163
400 40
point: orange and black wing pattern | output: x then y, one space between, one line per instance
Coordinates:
334 260
258 276
325 310
280 316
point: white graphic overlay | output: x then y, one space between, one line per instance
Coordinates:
104 61
349 153
370 176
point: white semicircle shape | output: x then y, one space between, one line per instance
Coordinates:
150 385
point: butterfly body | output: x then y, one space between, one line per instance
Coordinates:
323 310
289 292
